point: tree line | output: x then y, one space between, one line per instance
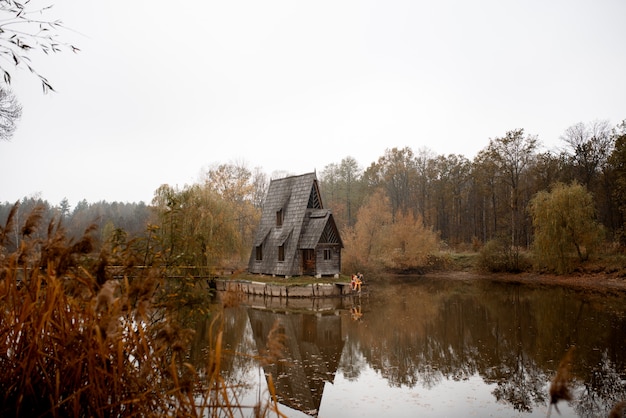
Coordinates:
208 225
475 202
400 211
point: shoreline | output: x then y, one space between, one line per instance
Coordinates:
598 282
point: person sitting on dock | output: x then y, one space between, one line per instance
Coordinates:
355 283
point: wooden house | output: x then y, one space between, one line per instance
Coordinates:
296 235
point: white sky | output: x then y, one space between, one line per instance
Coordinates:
162 89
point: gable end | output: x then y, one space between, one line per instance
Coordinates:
315 201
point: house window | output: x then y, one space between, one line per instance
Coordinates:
259 253
281 253
327 254
279 218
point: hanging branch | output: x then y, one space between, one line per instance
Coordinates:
24 30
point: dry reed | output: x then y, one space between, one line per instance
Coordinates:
75 342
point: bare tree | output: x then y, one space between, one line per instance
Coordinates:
10 113
396 172
513 154
589 147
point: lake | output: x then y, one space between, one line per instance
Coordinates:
420 346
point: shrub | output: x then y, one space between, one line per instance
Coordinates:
497 256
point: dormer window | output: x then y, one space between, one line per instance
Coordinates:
279 217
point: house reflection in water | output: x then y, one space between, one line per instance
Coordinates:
313 345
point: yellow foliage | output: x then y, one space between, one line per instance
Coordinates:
408 244
565 226
378 241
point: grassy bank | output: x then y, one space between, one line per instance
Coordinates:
608 271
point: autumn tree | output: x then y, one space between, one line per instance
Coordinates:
211 224
486 198
425 176
231 181
363 241
548 168
450 196
408 245
197 228
237 186
564 220
395 171
379 241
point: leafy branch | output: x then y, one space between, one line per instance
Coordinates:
24 30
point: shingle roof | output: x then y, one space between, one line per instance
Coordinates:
313 228
298 201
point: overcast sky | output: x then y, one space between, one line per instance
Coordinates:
161 90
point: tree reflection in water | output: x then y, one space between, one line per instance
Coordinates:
419 332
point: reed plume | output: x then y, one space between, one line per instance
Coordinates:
4 230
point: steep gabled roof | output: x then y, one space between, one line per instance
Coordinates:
294 219
319 227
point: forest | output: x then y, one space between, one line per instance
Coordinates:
516 205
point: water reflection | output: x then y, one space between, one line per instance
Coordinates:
312 350
423 336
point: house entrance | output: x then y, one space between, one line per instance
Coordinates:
308 262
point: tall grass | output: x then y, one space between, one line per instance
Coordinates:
76 342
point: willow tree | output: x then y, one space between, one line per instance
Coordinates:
564 220
196 227
240 189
